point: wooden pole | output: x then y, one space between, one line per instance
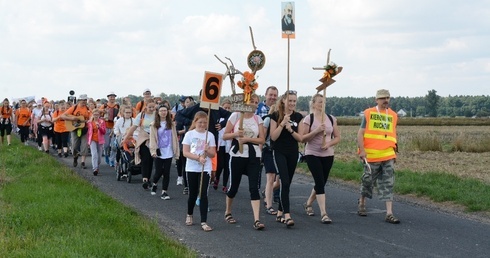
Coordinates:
325 102
205 142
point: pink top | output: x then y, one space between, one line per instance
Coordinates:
101 131
314 145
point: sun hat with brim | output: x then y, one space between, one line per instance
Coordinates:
382 94
147 90
112 94
83 97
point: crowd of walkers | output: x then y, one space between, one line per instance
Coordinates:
208 147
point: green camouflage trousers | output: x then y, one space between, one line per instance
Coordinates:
381 174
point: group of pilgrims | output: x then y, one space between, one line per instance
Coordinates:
208 147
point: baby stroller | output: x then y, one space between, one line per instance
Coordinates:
126 167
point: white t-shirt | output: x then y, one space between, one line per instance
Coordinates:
147 120
122 125
196 142
250 129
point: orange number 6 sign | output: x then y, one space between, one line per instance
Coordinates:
211 90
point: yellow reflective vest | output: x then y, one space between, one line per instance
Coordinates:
380 134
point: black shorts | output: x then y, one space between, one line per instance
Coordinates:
268 159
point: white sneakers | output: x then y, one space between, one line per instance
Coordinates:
179 180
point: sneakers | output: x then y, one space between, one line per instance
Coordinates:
66 154
75 161
39 148
154 189
26 143
225 189
96 172
107 159
185 191
59 155
165 196
145 185
180 180
112 164
83 165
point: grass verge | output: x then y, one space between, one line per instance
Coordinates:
473 194
47 210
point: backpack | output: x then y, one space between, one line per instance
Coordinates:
112 112
141 105
312 118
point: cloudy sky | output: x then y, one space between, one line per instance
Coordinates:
49 47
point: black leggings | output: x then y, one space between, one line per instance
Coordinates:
162 167
24 133
194 179
146 161
61 139
244 166
285 165
320 169
223 165
181 166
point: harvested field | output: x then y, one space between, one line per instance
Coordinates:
466 164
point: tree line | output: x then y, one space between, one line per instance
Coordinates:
430 105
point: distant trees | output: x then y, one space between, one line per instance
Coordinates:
431 104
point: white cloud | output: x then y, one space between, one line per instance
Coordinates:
49 47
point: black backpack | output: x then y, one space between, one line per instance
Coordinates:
312 118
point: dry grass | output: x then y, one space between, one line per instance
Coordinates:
449 160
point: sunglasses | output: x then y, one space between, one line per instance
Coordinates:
290 11
384 98
291 92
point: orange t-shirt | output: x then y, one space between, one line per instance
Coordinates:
6 112
78 111
95 132
59 125
23 115
140 106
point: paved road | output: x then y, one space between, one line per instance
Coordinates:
423 232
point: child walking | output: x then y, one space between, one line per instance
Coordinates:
199 146
96 132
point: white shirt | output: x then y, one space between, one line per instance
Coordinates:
196 142
250 129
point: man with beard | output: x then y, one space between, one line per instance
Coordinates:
377 144
287 19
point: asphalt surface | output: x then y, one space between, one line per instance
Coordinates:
423 231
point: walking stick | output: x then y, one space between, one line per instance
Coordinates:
202 169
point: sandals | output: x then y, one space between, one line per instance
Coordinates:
206 227
326 219
188 220
271 211
391 219
258 225
280 219
309 210
289 222
361 210
229 219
